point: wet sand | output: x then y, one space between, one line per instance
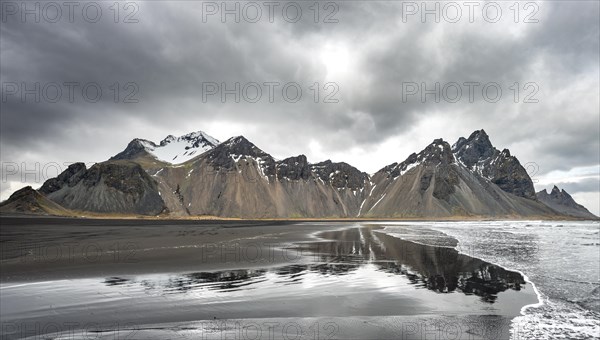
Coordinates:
133 279
45 249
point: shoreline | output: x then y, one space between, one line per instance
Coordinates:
536 290
178 255
202 218
533 320
458 249
523 309
525 277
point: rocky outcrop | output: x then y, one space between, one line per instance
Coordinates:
478 155
68 178
340 175
227 154
562 202
135 149
29 201
435 183
117 187
238 179
294 169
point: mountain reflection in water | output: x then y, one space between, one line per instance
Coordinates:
438 269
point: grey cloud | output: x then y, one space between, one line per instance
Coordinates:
170 53
586 185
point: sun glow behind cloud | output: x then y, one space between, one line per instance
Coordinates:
337 60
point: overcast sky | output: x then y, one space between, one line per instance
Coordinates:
368 59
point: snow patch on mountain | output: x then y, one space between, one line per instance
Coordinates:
379 200
408 167
177 150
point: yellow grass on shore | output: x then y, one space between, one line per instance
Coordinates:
91 215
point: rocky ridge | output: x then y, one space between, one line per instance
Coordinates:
238 179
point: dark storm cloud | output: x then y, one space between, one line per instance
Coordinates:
170 52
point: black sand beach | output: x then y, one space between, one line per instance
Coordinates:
134 279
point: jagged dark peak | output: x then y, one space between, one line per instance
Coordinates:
294 168
326 165
477 154
75 167
323 163
329 164
199 135
119 174
237 139
122 175
239 146
396 169
469 151
294 160
167 140
439 151
459 143
557 194
391 170
69 177
29 201
141 141
340 174
436 153
23 192
118 186
226 154
135 148
478 136
563 202
507 172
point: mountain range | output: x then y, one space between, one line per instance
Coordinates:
196 175
562 202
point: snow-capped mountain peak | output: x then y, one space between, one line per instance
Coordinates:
177 150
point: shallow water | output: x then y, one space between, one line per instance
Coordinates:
561 258
355 282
